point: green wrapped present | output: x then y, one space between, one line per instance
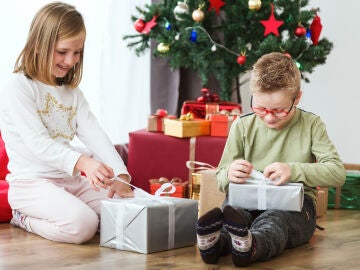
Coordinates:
350 192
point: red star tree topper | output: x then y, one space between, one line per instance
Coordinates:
216 4
149 25
271 25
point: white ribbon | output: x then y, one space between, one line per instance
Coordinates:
140 193
261 190
202 165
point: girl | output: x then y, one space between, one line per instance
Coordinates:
42 109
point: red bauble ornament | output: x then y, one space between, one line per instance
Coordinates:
201 99
139 25
241 59
315 29
300 31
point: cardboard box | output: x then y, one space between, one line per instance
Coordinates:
254 195
148 225
321 202
186 128
210 196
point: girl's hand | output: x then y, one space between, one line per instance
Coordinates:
278 172
98 173
121 189
239 171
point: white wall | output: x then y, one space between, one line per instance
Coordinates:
333 91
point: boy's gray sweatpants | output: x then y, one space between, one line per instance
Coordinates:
276 230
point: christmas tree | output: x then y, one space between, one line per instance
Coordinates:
225 38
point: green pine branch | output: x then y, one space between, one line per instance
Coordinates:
234 31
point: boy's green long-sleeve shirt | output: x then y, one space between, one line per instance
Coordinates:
303 144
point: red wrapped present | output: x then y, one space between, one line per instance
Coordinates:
220 124
156 121
153 155
200 110
180 186
207 104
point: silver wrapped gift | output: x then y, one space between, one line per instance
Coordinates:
262 195
148 225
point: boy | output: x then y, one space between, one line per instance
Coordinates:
288 145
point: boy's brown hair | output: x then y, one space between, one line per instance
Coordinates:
275 71
55 21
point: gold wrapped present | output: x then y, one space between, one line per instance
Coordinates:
186 126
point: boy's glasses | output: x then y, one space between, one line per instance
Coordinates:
278 113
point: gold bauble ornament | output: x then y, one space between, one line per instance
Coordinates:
254 4
198 15
163 48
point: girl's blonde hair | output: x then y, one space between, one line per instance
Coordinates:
55 21
275 71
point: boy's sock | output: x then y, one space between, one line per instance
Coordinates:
20 220
243 244
208 235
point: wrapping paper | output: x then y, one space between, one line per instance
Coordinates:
180 186
220 124
210 195
347 196
156 122
154 155
147 225
256 194
200 110
186 128
321 202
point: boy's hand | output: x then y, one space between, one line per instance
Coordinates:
121 189
239 171
278 172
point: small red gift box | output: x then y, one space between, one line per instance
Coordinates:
220 124
156 121
180 186
200 110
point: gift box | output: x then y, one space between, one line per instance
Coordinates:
156 121
148 225
209 194
200 109
186 128
347 196
220 124
153 155
321 202
180 186
255 194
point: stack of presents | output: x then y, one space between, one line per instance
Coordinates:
172 164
